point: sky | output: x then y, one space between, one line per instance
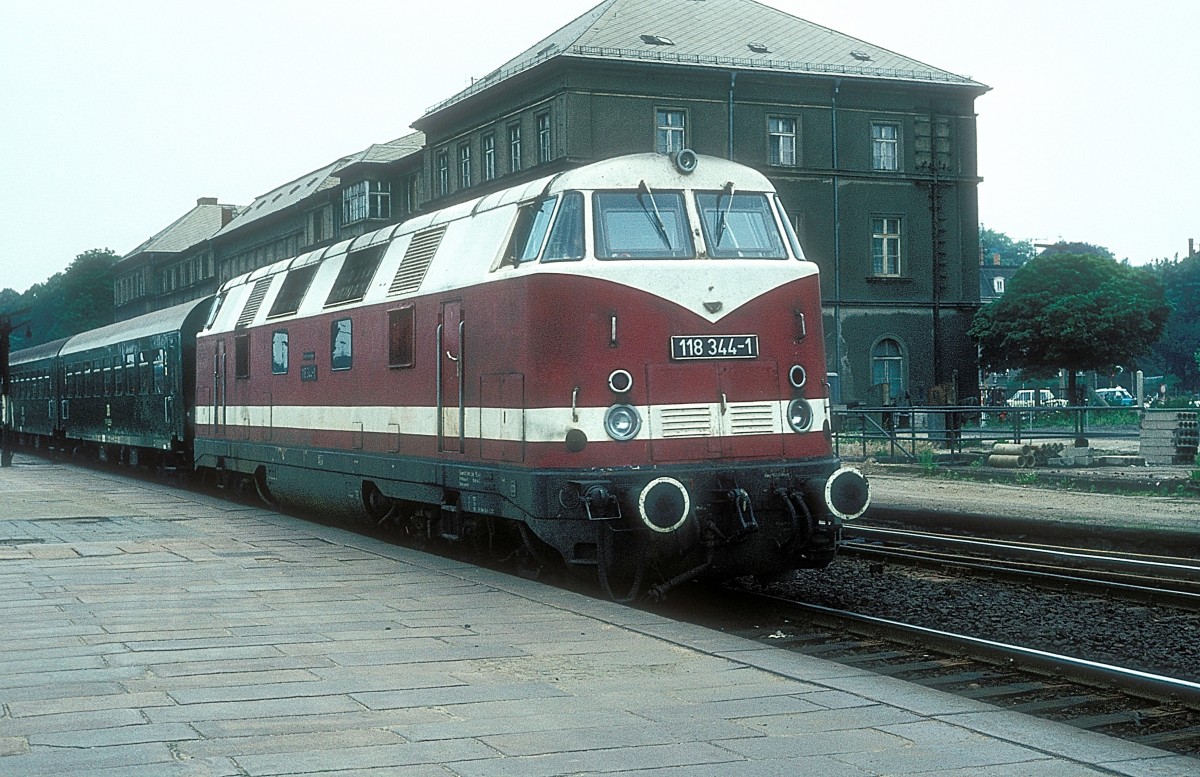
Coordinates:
117 115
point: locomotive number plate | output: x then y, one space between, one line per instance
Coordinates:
720 347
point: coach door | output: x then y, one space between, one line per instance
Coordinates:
450 378
219 386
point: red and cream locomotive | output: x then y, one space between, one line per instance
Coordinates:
622 362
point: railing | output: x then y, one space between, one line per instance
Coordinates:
905 431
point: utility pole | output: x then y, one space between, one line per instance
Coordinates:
6 433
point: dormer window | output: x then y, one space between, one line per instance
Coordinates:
366 200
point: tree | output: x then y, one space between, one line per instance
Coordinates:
1075 312
1012 253
1174 353
73 301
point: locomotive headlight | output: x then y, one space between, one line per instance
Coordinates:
622 422
799 415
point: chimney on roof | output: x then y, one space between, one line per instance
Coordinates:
206 201
227 213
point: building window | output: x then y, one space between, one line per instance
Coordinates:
670 130
543 138
514 148
464 166
489 156
998 285
885 146
443 172
408 195
885 245
241 356
366 200
781 140
887 369
341 344
401 337
279 352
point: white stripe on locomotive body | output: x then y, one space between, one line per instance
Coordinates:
533 425
478 232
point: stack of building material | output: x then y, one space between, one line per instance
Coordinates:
1169 437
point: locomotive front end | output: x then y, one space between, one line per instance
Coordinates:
698 440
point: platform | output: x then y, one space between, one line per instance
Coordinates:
155 631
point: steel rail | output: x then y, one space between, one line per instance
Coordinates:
1116 559
1155 686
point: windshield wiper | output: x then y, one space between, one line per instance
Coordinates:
658 222
723 215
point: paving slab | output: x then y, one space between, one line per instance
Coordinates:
153 630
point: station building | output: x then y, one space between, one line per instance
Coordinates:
873 154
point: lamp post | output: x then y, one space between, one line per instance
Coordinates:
6 434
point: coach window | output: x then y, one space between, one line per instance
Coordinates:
160 371
279 352
241 356
341 346
566 238
145 374
131 373
402 341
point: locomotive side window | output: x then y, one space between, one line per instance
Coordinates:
355 275
566 238
533 219
241 356
788 230
214 310
402 341
341 344
292 292
739 225
279 352
642 225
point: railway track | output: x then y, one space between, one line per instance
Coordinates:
1128 703
1141 577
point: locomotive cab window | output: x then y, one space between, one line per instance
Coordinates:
739 225
533 220
641 225
566 236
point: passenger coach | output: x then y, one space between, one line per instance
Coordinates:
625 361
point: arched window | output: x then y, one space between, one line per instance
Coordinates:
887 367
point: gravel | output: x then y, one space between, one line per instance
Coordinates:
1155 639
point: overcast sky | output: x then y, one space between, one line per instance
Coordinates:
116 115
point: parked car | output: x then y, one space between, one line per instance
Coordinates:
1115 397
1035 397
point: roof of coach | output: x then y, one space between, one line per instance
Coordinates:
44 351
159 322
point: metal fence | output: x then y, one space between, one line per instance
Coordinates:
907 431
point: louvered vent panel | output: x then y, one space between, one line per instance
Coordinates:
759 418
685 422
416 261
254 303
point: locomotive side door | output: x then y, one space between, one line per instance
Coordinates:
450 381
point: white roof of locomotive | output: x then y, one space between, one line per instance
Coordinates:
491 218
